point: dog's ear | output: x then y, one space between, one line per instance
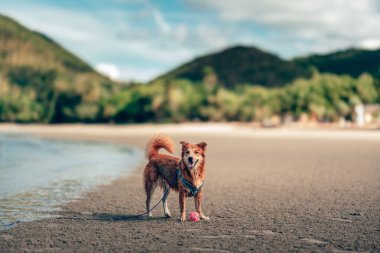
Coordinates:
202 145
184 143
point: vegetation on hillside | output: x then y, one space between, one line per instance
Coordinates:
325 97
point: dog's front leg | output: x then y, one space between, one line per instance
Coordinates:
198 206
182 205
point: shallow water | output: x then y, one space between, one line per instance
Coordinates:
38 174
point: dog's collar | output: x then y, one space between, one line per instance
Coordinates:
193 190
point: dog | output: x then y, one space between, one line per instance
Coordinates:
184 175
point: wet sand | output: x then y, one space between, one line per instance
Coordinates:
265 191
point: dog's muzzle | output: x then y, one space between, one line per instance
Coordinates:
191 163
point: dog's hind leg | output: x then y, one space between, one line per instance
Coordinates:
149 188
166 190
150 183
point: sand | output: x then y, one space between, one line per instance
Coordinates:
274 190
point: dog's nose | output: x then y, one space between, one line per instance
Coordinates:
190 159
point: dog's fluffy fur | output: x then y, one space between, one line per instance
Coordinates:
162 169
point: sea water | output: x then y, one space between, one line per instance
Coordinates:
38 174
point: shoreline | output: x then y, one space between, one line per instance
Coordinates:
270 190
213 129
66 169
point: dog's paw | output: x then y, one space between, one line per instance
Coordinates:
168 215
183 219
149 216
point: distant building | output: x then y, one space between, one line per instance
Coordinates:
367 114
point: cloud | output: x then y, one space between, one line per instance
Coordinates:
161 22
211 37
370 43
108 69
181 32
323 24
132 73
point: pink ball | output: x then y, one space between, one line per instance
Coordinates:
194 216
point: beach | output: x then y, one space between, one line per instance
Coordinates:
266 190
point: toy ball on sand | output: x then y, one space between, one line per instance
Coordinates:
194 216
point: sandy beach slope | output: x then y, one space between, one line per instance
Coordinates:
274 190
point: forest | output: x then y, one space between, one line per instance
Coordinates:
48 99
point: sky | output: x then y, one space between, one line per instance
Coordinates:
139 40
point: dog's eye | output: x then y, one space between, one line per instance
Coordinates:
187 152
196 152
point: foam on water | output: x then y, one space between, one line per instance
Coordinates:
37 174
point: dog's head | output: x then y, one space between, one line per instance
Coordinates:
193 154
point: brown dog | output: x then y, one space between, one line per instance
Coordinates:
185 175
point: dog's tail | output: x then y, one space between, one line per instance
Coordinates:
156 142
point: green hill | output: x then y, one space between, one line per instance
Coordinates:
351 62
240 64
41 81
237 65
